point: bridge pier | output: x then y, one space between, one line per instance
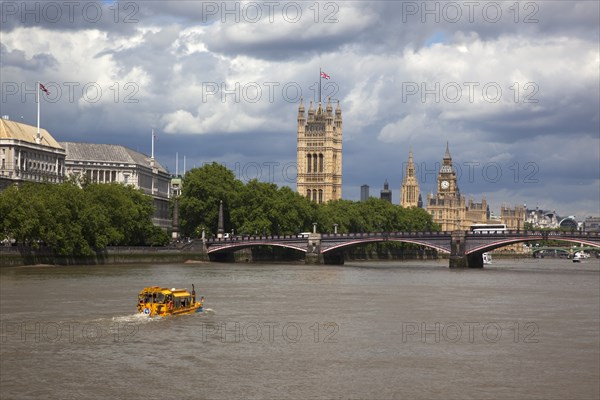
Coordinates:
457 250
313 258
458 258
313 251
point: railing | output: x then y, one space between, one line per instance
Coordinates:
534 233
241 238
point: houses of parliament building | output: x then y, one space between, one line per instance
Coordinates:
448 207
319 163
319 152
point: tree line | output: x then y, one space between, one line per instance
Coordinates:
76 220
261 208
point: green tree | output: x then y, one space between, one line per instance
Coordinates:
129 212
263 208
203 189
373 215
22 208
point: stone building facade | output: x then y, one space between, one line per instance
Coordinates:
514 218
26 156
319 152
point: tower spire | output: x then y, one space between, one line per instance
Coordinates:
410 194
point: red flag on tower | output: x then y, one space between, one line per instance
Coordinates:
324 75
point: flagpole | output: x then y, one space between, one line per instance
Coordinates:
152 156
320 84
37 92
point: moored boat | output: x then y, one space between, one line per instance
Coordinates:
487 258
157 301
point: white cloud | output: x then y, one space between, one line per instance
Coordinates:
381 67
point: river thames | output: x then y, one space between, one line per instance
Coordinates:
519 329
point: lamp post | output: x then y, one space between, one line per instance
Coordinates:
314 227
335 228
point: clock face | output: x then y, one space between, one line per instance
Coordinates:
445 184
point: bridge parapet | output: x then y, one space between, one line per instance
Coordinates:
481 242
297 242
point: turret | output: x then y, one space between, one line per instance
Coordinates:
329 113
301 114
329 108
319 113
338 116
311 112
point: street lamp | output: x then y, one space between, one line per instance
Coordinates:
335 228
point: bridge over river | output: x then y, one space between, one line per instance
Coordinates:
465 248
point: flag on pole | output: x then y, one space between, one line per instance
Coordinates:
44 89
324 75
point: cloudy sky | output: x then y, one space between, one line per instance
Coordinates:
513 87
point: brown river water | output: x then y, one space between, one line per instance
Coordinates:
519 329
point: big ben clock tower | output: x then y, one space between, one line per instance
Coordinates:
447 206
447 177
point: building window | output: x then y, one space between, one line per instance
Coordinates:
314 162
308 164
314 192
320 195
321 162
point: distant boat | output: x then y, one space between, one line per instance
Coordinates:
580 255
487 258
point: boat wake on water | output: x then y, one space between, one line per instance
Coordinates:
138 318
143 318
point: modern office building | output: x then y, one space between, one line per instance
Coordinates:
364 193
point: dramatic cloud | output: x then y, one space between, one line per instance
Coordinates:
512 86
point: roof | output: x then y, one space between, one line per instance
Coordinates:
173 291
111 153
27 133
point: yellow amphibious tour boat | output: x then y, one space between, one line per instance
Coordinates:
159 301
